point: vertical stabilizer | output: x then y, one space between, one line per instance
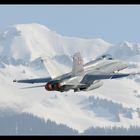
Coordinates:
77 67
52 67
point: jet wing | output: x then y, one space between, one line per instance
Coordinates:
93 77
32 81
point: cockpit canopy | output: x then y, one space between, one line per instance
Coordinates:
106 57
103 57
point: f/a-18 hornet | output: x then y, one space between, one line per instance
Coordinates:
83 77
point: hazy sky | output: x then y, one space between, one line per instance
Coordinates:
113 23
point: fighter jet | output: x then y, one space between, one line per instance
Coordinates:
83 77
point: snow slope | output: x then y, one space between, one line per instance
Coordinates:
22 47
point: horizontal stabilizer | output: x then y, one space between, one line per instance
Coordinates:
33 87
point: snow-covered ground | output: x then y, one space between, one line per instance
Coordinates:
116 103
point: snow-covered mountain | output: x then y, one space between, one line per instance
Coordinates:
115 104
125 50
